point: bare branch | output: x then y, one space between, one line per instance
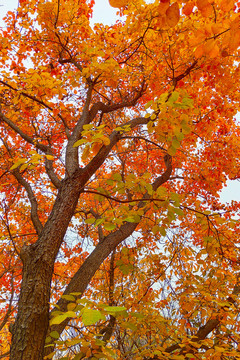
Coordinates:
34 205
72 161
147 140
51 173
184 74
26 137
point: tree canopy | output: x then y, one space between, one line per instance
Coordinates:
116 142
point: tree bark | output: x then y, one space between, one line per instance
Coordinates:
30 329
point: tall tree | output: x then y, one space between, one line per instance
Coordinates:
115 143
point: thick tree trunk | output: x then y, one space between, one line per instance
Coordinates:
31 325
30 329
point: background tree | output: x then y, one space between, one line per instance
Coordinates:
115 143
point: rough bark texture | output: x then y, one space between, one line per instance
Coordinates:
31 324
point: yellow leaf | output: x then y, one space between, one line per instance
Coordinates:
50 157
19 162
86 153
173 14
105 140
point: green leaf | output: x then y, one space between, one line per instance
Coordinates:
155 229
178 211
175 197
170 214
171 151
126 269
187 102
60 318
133 218
78 356
180 136
149 104
117 177
162 231
79 142
90 221
114 309
176 144
54 334
87 126
76 293
73 342
109 226
138 315
162 191
71 306
68 297
48 339
174 97
99 222
110 182
129 325
91 316
185 128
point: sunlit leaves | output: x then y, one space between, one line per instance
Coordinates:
162 80
91 316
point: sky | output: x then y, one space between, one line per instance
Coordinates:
104 13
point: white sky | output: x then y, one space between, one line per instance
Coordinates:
104 13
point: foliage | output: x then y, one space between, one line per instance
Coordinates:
115 144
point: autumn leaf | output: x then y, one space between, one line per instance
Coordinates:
173 14
118 3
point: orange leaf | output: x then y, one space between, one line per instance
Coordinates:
205 7
234 39
187 9
199 51
162 7
227 5
211 49
118 3
173 14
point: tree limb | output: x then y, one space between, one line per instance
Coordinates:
34 205
26 137
51 173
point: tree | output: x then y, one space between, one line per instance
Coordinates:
115 143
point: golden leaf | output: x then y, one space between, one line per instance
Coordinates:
173 14
118 3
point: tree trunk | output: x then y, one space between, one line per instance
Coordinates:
30 329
